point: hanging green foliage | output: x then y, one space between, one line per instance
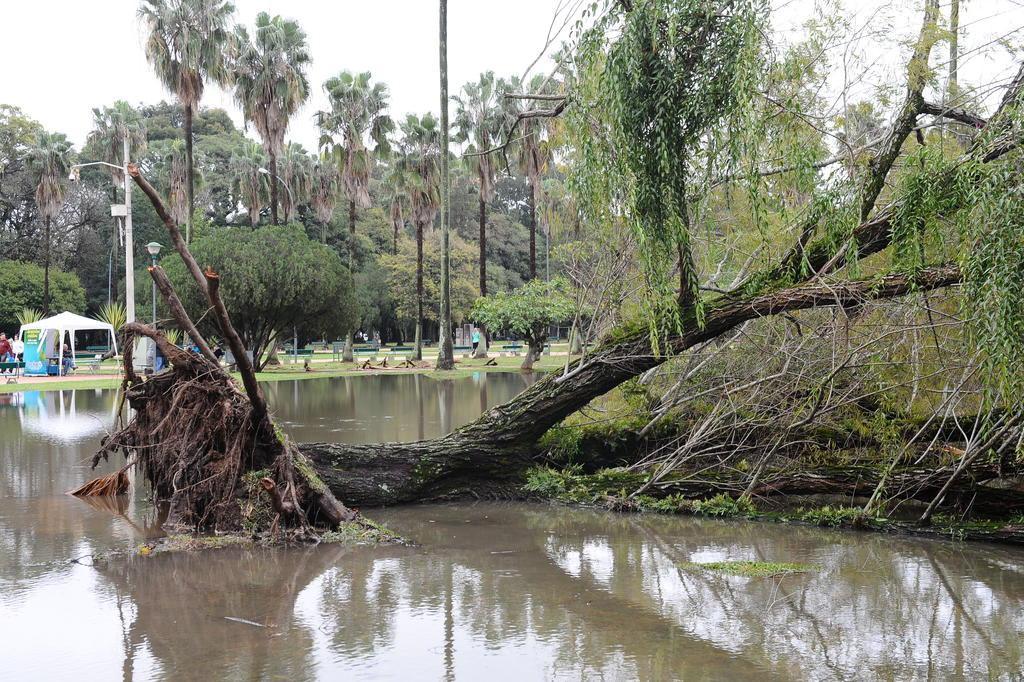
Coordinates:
662 85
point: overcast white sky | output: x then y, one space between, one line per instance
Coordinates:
60 58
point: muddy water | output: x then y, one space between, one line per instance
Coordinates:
495 591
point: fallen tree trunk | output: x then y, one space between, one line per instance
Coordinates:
495 449
908 483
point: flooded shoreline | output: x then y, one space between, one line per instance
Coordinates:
506 590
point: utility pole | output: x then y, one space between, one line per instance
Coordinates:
129 250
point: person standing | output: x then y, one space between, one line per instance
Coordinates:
18 348
6 350
476 338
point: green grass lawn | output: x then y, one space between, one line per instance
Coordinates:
320 370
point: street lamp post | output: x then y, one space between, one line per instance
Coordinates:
154 252
291 197
129 256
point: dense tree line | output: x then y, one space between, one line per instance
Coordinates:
371 192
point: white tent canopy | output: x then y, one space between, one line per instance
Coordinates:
66 322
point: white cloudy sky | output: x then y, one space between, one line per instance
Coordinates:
60 58
78 54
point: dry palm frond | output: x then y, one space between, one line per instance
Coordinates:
116 483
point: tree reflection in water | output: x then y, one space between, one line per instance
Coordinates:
517 591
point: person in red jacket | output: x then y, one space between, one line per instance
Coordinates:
6 350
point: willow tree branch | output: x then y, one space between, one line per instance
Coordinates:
913 103
554 112
953 114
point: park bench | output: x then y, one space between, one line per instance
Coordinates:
368 352
511 348
464 350
12 370
97 349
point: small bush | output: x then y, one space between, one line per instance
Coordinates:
724 506
831 516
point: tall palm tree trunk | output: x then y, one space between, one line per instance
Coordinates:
273 188
348 353
481 349
417 351
446 356
533 229
46 268
483 247
190 174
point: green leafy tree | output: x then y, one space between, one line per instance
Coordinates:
24 284
357 119
187 42
305 286
399 272
18 132
527 312
421 167
51 158
270 83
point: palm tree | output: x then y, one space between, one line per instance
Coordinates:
398 186
187 42
251 185
421 163
111 127
478 120
50 160
445 356
173 174
533 152
324 193
270 83
358 115
297 174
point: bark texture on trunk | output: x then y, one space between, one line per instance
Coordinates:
46 269
483 247
481 349
273 188
446 353
190 175
507 434
417 352
533 230
347 353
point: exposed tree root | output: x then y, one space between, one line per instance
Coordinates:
205 447
195 438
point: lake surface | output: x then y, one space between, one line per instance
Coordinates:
495 591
